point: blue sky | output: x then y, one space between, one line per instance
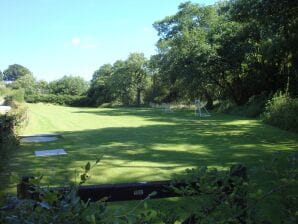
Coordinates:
75 37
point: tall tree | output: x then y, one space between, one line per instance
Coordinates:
274 26
15 71
184 50
137 68
99 92
121 82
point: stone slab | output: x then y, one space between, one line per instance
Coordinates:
50 152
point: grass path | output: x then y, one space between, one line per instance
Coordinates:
142 144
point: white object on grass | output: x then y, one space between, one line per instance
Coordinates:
50 152
200 109
166 107
4 109
40 138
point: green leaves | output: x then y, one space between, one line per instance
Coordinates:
86 170
87 167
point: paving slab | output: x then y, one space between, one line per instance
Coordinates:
40 138
50 152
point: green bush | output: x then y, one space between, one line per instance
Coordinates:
11 95
10 123
282 111
58 99
253 108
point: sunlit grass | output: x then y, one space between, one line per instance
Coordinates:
142 144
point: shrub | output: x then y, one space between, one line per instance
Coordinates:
58 99
10 95
281 111
253 108
9 126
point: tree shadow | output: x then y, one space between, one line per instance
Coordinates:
155 152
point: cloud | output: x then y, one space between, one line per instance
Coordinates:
82 43
75 41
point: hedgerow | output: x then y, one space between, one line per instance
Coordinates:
281 111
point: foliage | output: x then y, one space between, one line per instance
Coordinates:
15 71
281 111
253 108
216 197
27 83
99 91
232 51
124 81
10 96
69 100
68 85
10 123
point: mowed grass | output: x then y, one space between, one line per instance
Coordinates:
142 144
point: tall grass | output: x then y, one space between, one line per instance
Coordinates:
282 111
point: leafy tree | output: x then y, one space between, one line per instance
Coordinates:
137 69
184 50
26 82
272 28
1 76
42 87
121 83
68 85
99 91
124 81
15 71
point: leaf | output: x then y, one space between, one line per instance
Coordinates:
87 167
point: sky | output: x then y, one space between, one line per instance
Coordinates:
53 38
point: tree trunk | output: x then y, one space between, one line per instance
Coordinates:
138 97
209 99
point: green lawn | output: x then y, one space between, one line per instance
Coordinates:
141 144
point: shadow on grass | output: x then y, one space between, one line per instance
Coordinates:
156 152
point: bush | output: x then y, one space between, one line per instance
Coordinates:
12 95
9 126
58 99
253 108
281 111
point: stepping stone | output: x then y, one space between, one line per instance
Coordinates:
50 152
40 138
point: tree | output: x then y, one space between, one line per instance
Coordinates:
1 76
124 81
120 83
15 71
26 82
99 91
137 69
184 50
68 85
275 27
42 87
